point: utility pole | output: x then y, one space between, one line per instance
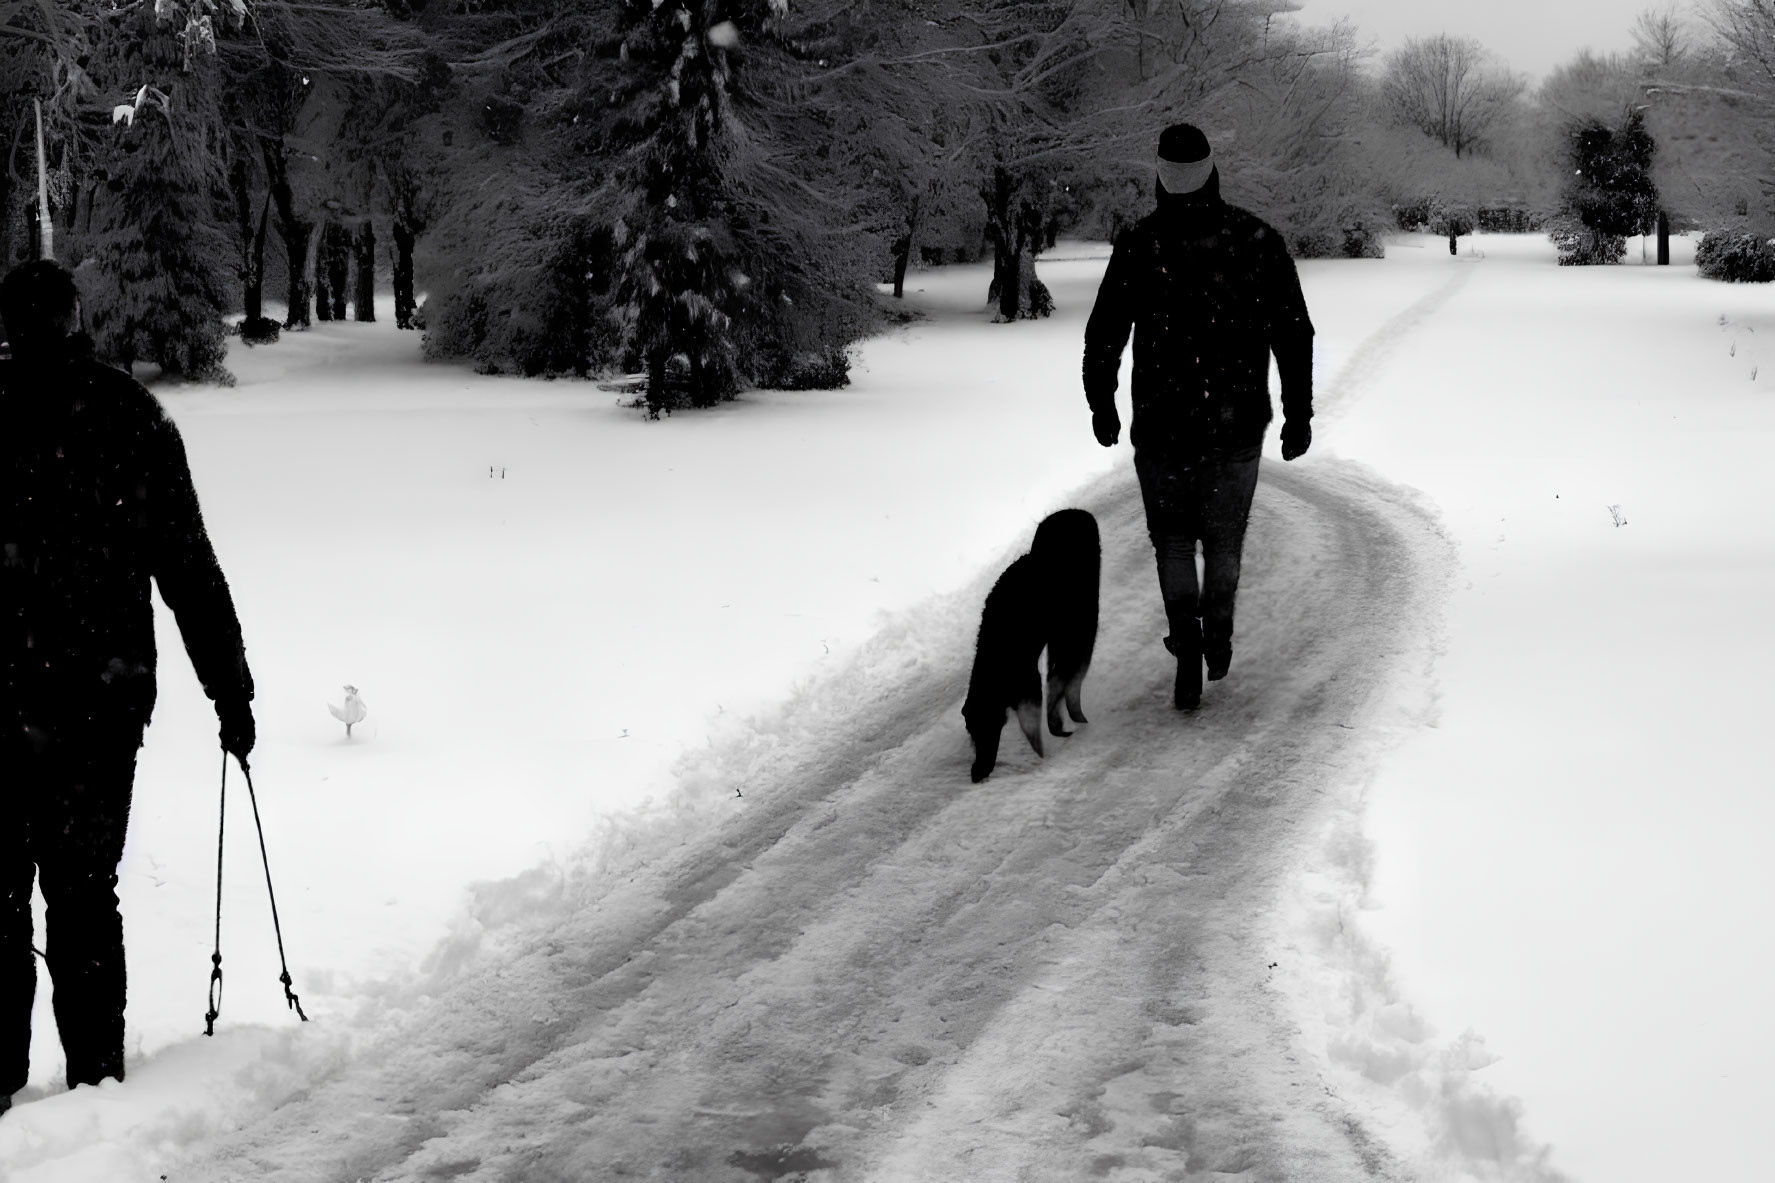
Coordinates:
46 228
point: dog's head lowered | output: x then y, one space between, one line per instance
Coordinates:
1067 541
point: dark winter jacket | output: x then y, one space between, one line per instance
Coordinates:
96 498
1209 292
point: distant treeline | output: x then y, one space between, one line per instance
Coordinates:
720 194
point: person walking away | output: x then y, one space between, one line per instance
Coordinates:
96 500
1209 292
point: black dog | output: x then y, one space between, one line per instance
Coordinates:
1046 599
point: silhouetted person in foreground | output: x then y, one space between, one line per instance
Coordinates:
1209 292
95 498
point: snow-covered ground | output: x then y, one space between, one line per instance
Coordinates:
557 612
1572 862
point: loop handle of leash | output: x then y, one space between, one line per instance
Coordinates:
215 1011
290 997
210 1016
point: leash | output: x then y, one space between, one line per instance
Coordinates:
209 1018
290 998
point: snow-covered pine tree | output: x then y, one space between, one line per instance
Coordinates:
153 279
1610 193
678 289
742 253
516 221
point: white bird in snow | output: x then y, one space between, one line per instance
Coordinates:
351 712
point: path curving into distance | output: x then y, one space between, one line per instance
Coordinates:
871 968
861 967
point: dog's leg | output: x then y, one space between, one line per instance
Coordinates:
1075 687
1056 689
985 749
1029 717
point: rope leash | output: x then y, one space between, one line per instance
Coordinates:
209 1018
290 997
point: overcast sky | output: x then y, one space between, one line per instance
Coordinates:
1532 36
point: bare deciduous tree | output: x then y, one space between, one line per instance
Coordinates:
1747 27
1449 88
1660 37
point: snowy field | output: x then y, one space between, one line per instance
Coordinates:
557 613
1572 862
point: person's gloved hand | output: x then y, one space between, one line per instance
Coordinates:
1297 437
238 733
1107 426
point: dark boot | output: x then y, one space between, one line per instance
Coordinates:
1219 658
1186 645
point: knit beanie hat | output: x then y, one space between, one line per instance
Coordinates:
1185 159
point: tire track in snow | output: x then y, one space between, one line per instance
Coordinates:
868 969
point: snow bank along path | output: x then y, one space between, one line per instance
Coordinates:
862 967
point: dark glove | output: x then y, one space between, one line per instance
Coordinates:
1107 426
1297 437
236 717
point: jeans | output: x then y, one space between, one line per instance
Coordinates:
63 813
1190 502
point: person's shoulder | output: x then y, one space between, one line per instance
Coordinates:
1248 225
128 409
1145 231
117 391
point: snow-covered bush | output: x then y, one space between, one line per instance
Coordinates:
828 369
1358 240
1508 220
1414 213
1581 246
1735 257
540 305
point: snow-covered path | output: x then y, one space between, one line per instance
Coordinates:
872 968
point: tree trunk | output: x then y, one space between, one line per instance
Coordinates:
297 235
657 397
332 271
702 393
1452 236
255 293
339 268
1663 239
295 231
404 303
903 249
1001 233
1014 224
1034 298
252 248
364 294
902 252
323 274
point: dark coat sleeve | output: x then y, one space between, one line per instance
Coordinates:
1291 332
1112 319
186 570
